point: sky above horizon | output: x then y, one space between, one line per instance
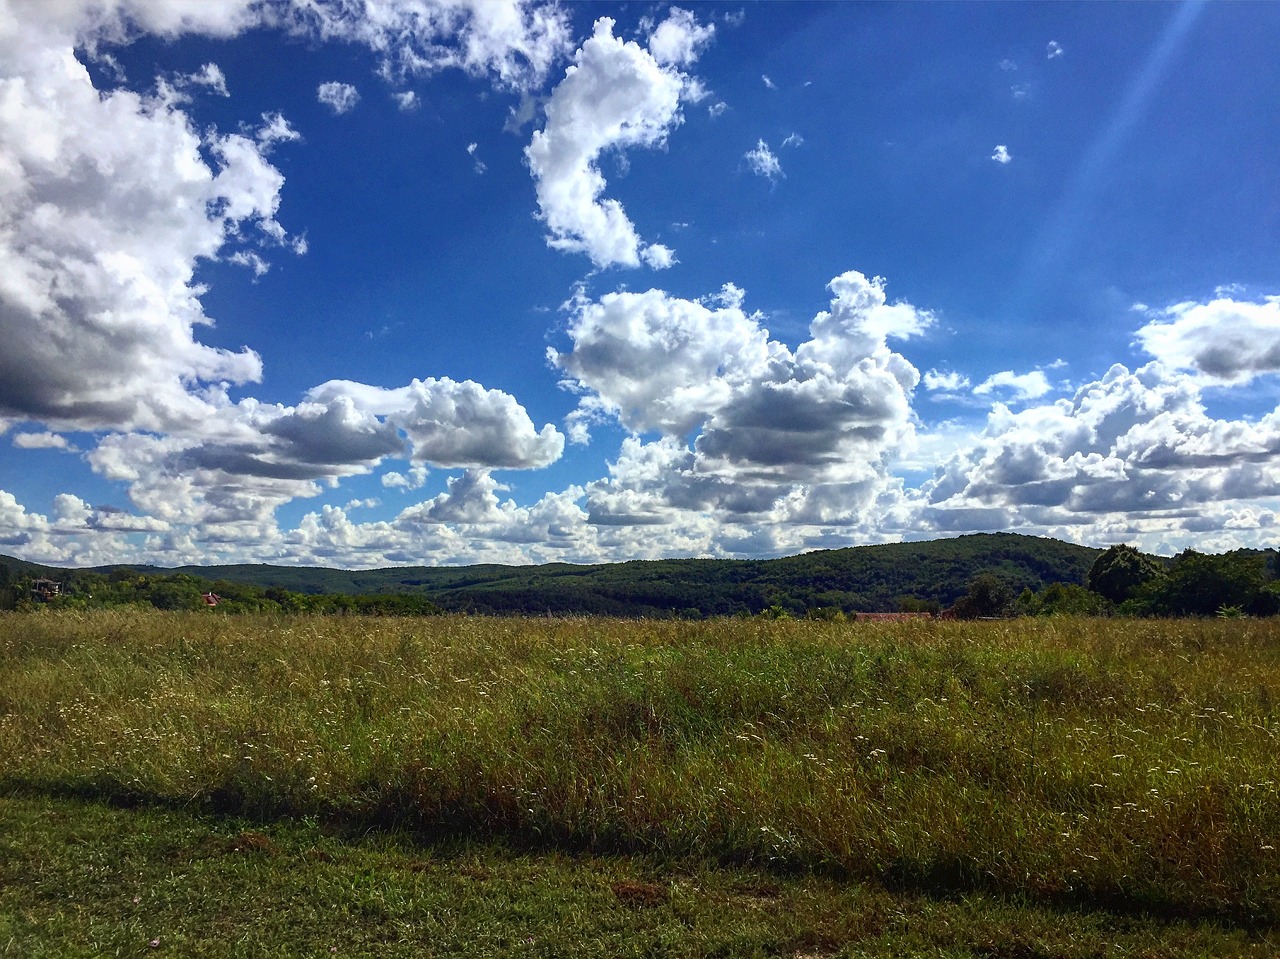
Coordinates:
437 282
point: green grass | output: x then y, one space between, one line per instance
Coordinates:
1112 773
82 879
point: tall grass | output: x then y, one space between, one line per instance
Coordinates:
1129 763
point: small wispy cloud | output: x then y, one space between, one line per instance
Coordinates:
1002 154
338 97
794 140
1054 50
763 162
767 82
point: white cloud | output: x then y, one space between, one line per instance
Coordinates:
1018 386
1224 340
794 140
945 380
762 161
338 97
110 200
680 39
274 129
1001 154
416 478
615 95
1020 91
453 424
1008 66
513 42
1054 50
212 77
42 441
1132 451
794 438
717 108
406 100
767 82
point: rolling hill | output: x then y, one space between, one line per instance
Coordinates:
860 578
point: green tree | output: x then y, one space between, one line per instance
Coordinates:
987 595
1063 599
1119 572
1199 585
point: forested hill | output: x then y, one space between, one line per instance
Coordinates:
863 578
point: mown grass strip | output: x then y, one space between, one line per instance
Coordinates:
83 879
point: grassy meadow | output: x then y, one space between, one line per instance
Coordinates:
1112 784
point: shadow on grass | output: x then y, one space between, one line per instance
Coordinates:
395 819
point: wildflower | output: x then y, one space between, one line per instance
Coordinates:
154 944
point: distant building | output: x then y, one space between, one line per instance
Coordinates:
889 617
211 599
43 590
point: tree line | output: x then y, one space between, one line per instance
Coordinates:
968 577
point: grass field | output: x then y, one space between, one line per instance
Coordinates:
1021 788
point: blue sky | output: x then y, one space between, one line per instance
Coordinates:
362 284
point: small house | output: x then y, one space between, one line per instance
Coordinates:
43 590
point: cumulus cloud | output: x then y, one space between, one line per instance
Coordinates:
406 100
1018 386
798 436
1054 50
614 96
1133 449
1001 154
338 97
763 162
42 441
1223 341
415 479
453 424
944 380
680 39
110 199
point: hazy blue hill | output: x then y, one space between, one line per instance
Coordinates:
860 578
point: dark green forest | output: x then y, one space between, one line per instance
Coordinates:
990 574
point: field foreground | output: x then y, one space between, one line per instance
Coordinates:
1068 768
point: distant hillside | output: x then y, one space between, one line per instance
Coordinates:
861 578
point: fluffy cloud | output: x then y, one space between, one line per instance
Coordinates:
42 441
513 42
1225 340
615 95
338 97
1018 386
680 39
1001 154
948 381
795 437
109 200
1133 449
452 424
